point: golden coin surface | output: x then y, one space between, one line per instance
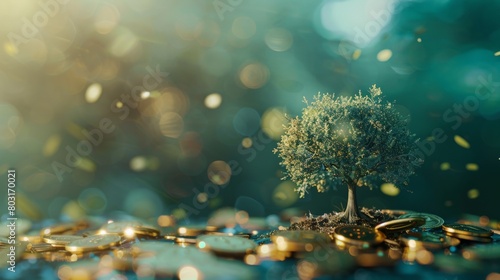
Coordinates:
93 243
395 212
358 235
191 230
467 230
400 224
428 240
470 237
299 240
231 245
60 240
431 220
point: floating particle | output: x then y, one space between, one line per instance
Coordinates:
444 166
51 145
247 142
213 100
419 40
389 189
461 142
472 166
93 93
356 54
497 53
384 55
473 193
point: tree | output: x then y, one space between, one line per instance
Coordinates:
354 141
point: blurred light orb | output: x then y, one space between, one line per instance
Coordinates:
166 221
472 167
389 189
93 200
138 163
219 172
384 55
243 27
284 195
124 43
444 166
213 100
171 125
189 26
278 39
93 93
254 75
145 94
106 19
272 122
246 121
51 145
247 142
473 193
189 273
336 20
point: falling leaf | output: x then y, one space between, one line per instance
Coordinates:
497 53
461 142
472 166
384 55
473 193
445 166
356 54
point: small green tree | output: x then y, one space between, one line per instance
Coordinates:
354 141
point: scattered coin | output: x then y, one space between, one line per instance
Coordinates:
60 240
226 245
431 220
324 261
393 212
300 240
400 225
93 243
428 240
467 230
470 237
358 235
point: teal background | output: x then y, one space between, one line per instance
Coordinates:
156 159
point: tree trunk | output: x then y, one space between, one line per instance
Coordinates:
351 213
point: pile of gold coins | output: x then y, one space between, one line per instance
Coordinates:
87 250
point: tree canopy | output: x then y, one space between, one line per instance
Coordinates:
359 140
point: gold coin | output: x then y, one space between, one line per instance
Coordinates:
60 240
185 239
428 240
192 230
400 224
146 231
470 237
358 235
93 243
299 240
226 245
431 220
467 230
